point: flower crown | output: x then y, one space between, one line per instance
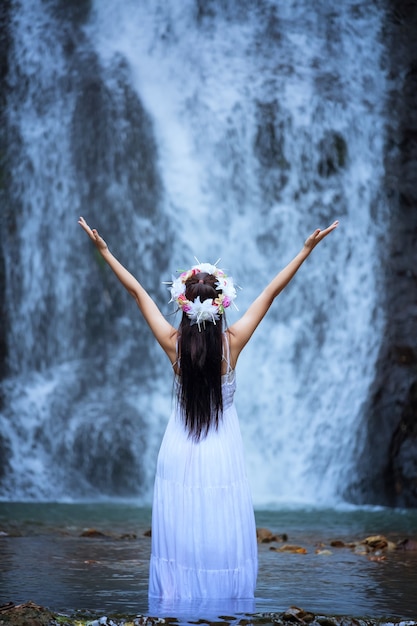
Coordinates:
208 310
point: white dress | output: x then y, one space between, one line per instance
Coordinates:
203 524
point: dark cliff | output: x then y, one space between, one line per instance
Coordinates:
389 462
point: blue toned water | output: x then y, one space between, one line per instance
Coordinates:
189 128
44 559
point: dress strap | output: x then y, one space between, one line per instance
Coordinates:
226 352
176 363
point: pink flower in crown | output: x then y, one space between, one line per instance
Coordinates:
222 302
192 272
183 303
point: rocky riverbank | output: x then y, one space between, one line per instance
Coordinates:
31 614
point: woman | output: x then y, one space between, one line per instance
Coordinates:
203 527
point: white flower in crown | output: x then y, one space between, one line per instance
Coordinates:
177 289
226 285
201 312
207 267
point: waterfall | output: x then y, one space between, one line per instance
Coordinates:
189 129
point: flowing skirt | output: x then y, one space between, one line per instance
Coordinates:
203 525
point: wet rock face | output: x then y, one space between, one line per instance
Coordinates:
4 48
400 476
389 460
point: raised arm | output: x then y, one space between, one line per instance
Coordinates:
164 332
243 329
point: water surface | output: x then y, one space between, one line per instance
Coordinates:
43 558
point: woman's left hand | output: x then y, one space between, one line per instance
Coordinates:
318 235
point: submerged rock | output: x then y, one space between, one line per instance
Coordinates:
264 535
290 548
92 532
379 542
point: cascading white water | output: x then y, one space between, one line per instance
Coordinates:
259 121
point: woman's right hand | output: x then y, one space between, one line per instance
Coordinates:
93 234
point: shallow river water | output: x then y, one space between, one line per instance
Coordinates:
44 558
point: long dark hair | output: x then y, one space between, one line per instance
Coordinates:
200 352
